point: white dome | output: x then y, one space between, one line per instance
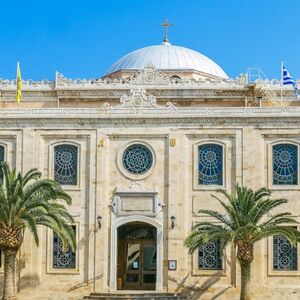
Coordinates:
167 57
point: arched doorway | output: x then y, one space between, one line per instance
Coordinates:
118 221
137 256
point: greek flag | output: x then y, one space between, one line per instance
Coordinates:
287 79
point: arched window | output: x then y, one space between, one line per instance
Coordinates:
210 256
65 164
285 164
284 254
210 164
63 258
2 154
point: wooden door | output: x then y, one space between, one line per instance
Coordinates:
140 265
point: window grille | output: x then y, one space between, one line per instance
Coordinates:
65 164
285 164
284 255
209 256
210 164
62 258
137 159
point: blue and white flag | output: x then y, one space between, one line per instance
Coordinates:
287 79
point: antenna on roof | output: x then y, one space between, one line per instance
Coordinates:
166 25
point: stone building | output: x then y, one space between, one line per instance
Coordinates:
140 151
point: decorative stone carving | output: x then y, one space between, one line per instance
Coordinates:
136 200
138 102
150 76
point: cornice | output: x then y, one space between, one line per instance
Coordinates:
131 108
208 120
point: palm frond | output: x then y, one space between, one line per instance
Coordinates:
246 220
28 201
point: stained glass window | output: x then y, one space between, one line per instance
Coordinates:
137 159
1 159
65 164
285 164
284 255
209 256
62 258
210 164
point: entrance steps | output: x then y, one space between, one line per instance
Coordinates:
129 296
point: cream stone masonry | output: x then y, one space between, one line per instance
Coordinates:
171 116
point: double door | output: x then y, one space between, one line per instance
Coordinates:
140 265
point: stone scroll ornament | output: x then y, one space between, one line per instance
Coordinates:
138 102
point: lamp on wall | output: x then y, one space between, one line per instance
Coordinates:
173 222
99 221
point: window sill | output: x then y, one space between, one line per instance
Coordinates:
63 271
198 187
199 272
75 188
284 273
284 187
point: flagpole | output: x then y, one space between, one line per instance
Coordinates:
18 66
281 81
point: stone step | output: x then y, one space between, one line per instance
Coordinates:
128 296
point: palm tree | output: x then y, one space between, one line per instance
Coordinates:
25 202
246 220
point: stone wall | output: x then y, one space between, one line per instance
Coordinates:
247 161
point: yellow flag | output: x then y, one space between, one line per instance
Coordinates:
19 84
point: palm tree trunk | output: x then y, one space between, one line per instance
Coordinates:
245 280
9 275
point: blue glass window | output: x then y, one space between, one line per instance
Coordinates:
210 164
285 164
62 258
284 255
1 159
137 159
65 164
209 256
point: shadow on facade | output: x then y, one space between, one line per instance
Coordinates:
195 291
80 285
1 283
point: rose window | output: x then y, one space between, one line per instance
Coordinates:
137 159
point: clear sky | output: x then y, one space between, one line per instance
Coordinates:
81 39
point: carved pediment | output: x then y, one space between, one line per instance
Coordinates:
138 102
150 76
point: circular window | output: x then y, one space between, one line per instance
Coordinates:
137 159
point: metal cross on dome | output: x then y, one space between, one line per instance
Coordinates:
166 25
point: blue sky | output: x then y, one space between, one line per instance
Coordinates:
83 38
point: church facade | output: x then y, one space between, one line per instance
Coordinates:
140 151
